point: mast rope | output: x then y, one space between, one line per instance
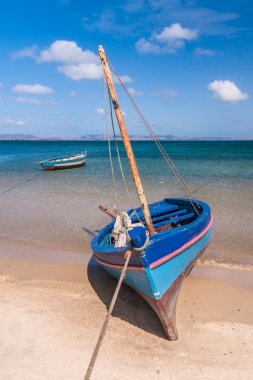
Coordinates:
109 148
119 160
165 155
106 321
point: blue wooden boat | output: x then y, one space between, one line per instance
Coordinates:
70 162
165 239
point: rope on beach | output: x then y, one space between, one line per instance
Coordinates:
104 327
20 184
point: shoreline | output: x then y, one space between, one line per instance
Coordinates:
52 312
26 250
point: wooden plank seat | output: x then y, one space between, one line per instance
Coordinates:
174 220
161 209
166 216
163 217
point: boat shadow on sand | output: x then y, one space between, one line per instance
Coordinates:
129 306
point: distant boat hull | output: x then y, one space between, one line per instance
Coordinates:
158 272
64 162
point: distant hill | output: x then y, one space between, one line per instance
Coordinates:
159 137
20 136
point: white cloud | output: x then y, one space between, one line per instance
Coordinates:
132 91
123 78
206 52
67 52
144 47
176 32
76 63
166 93
73 93
28 100
81 71
26 52
32 89
10 121
100 111
169 41
227 91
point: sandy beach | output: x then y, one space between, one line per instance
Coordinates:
52 312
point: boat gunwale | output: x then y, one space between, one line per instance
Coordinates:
165 258
81 155
206 213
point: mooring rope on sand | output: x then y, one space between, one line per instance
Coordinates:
104 327
20 184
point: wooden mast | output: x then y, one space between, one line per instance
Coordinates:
126 141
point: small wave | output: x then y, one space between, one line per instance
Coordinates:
213 263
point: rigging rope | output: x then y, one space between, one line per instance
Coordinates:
165 155
120 163
106 321
109 148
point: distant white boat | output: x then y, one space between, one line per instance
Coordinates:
64 162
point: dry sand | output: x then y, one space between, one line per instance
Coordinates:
51 315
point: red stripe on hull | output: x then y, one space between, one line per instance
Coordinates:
63 167
185 246
117 266
165 258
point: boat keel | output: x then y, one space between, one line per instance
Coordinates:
165 307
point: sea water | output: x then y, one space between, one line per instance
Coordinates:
60 208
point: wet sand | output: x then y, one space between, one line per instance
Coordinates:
51 314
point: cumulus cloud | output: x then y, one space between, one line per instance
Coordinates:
75 62
166 93
206 52
144 46
227 91
81 71
10 121
28 100
169 41
73 93
123 78
32 88
176 32
100 111
67 52
132 91
28 51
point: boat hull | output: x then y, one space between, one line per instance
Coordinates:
158 272
64 162
63 165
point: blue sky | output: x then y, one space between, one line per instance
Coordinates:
187 64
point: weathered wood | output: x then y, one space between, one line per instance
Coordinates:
126 141
107 211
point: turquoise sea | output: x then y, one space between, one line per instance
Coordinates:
60 208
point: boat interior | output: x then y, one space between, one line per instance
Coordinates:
66 158
166 215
